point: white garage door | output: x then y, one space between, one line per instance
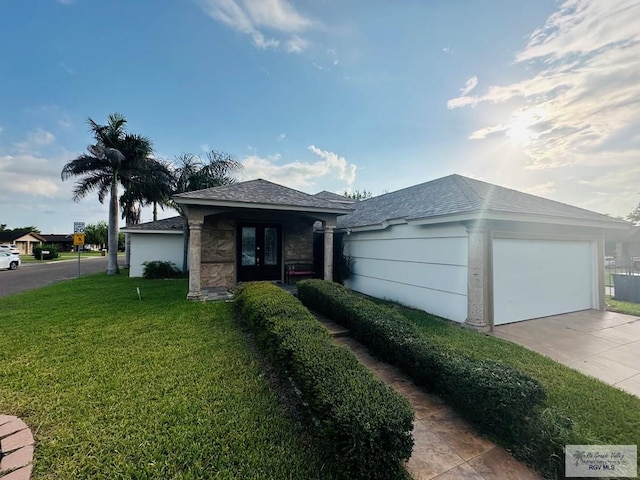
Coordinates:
538 278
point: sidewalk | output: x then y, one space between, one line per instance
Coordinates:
446 447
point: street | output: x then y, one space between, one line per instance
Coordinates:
35 275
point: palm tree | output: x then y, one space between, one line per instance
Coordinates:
114 159
150 184
193 173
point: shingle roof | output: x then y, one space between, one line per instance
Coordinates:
57 237
172 223
333 197
259 192
456 194
11 235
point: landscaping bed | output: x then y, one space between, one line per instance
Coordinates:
361 425
502 399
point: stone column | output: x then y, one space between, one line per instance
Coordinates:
479 288
195 248
328 252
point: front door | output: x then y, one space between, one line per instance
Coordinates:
259 252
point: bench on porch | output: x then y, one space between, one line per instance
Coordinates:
298 270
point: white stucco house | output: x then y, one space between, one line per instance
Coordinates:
160 240
463 249
477 253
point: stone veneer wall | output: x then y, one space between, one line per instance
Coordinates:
298 247
218 253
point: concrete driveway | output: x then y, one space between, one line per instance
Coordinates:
605 345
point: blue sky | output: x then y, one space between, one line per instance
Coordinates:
541 96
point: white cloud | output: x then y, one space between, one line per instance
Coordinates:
469 86
301 175
282 136
253 17
41 137
580 103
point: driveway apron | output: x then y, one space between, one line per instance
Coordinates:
604 345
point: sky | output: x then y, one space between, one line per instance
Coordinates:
540 96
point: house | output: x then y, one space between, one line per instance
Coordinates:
242 232
25 240
463 249
159 240
63 242
477 253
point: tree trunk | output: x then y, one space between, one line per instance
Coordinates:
112 260
155 211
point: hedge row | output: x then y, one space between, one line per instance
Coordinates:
362 426
499 399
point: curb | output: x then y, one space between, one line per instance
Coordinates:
16 449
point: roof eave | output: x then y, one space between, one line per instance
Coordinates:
261 206
519 217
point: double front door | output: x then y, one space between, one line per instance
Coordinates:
259 252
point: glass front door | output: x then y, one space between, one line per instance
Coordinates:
259 252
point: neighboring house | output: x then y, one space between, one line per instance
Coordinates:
63 242
160 240
626 248
25 240
477 253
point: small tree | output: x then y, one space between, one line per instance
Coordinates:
634 216
96 234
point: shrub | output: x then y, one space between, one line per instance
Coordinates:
498 398
160 269
362 426
52 249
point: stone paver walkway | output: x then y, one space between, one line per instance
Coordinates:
446 447
16 449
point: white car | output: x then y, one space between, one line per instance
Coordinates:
10 249
9 261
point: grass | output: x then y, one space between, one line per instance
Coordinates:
601 414
62 256
114 387
623 307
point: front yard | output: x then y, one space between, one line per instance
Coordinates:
113 387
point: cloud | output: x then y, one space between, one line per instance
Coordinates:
41 137
469 86
254 17
282 136
580 101
301 175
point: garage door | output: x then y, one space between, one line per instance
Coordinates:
538 278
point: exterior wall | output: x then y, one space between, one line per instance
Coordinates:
420 266
218 266
147 247
298 242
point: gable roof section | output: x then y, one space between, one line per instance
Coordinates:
13 235
334 197
260 194
166 225
458 198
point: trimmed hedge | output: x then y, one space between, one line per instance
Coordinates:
498 398
361 425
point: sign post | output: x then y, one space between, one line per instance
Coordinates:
78 239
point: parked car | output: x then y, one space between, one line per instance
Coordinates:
10 248
9 261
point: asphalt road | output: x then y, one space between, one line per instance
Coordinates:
35 275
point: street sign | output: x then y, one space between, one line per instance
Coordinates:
78 239
78 227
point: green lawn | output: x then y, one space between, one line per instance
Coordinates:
62 256
623 307
601 414
114 387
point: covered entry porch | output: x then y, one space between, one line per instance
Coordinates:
252 231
